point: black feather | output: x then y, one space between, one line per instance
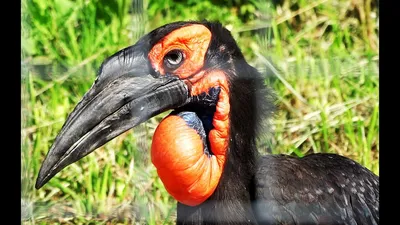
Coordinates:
315 189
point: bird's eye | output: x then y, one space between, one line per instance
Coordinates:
173 59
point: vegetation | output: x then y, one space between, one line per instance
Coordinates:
320 58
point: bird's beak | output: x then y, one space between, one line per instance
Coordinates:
124 95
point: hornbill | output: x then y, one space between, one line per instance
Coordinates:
205 149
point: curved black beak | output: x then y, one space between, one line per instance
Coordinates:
124 95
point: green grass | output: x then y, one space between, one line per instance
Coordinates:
320 59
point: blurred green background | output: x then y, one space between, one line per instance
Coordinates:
320 57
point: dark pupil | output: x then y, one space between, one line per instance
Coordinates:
174 58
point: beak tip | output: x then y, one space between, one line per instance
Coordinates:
42 179
39 183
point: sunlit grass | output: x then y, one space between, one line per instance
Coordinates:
330 106
323 69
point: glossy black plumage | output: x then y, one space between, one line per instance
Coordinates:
315 189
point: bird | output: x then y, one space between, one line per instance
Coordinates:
205 149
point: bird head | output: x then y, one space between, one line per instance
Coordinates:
194 68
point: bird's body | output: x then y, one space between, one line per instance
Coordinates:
205 150
316 189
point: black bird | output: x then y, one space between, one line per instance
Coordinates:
205 149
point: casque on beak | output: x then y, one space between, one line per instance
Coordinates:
126 93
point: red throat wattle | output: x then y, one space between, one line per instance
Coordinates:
188 174
177 151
